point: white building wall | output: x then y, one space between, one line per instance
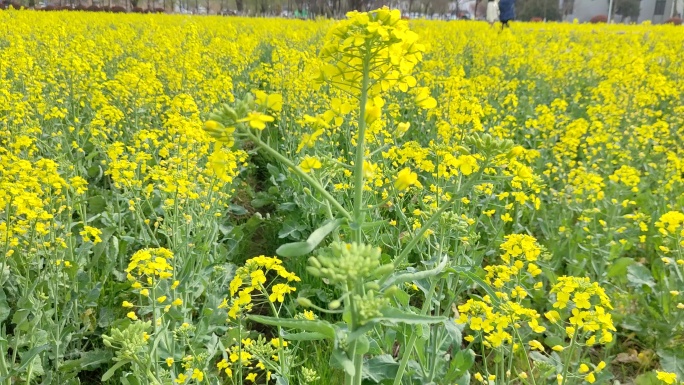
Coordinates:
584 10
648 10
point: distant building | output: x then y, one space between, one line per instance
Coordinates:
657 11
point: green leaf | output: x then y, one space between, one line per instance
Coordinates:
649 378
463 360
538 357
638 276
297 249
398 278
470 275
304 336
454 332
4 306
672 361
93 358
394 315
30 355
108 374
317 326
380 368
618 268
237 210
339 358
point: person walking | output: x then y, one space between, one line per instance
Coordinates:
506 12
492 11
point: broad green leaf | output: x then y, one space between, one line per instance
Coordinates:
317 326
340 359
618 268
397 316
380 368
638 275
362 345
4 306
649 378
297 249
463 360
672 361
30 355
454 332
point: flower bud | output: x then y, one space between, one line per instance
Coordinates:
304 302
389 292
372 286
313 271
384 269
314 262
212 125
334 305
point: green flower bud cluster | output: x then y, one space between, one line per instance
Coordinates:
129 341
230 115
261 347
489 145
348 262
454 222
547 368
184 331
309 375
369 305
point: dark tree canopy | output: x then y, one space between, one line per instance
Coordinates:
528 9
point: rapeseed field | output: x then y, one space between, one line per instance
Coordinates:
208 200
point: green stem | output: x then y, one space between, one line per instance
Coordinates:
566 366
414 336
360 154
314 183
433 354
349 304
416 238
281 358
155 355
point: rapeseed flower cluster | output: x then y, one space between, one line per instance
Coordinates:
256 277
495 319
379 41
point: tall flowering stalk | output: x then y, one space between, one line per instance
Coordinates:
364 56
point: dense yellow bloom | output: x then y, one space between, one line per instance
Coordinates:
151 263
251 279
